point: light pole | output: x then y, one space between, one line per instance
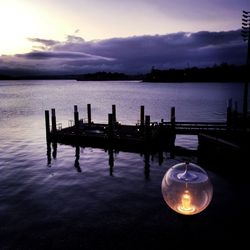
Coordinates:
245 32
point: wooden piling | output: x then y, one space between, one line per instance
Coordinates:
172 136
142 116
76 119
172 118
53 120
75 108
114 113
47 125
110 126
147 128
89 113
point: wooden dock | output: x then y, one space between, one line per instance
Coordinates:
143 136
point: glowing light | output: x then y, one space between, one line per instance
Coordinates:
187 189
186 206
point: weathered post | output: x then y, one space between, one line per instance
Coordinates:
75 108
76 119
147 128
89 113
47 125
173 133
142 116
53 120
114 113
110 126
172 118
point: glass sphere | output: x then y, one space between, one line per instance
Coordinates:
186 188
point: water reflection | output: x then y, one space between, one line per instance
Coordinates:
111 161
54 152
160 159
48 154
147 158
147 165
77 155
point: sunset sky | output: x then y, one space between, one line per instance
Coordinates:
130 36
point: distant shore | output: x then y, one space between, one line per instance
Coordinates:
221 73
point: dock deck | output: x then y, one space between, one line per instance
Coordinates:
145 135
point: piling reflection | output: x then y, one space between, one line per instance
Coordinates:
147 157
54 152
147 165
77 157
48 153
160 158
111 161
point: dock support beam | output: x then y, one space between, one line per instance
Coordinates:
53 120
47 125
142 116
172 117
76 119
114 113
110 126
89 113
75 108
147 128
173 133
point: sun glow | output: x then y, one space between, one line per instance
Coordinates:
20 20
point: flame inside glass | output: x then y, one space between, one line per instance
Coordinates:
186 188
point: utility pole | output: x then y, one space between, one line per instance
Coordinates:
245 32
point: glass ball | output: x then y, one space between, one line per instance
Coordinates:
186 188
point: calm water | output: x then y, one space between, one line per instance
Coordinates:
54 205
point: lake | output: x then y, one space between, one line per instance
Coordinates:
56 205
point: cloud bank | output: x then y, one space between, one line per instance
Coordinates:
129 55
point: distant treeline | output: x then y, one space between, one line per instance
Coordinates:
217 73
36 77
221 73
108 76
98 76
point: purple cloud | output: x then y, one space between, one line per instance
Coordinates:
44 55
46 42
132 54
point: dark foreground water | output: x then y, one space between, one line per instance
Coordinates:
64 205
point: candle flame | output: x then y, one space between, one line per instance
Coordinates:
185 206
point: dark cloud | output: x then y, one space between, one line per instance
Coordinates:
43 55
133 54
46 42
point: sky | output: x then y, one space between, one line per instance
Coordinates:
79 36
